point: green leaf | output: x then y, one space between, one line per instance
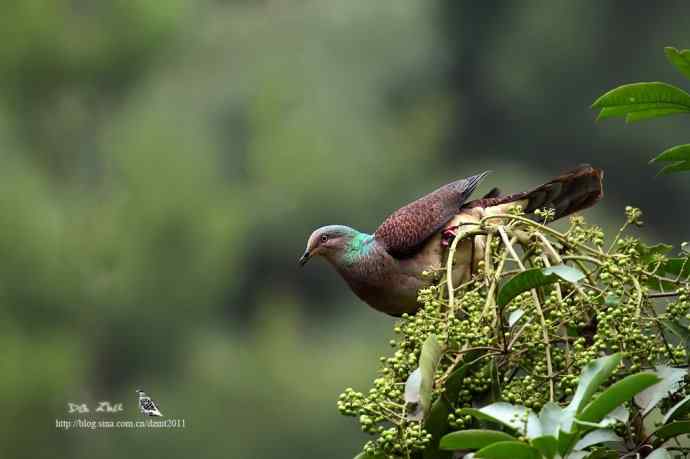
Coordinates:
677 153
680 59
566 441
597 436
638 112
473 439
428 361
639 101
550 418
508 450
681 166
616 395
679 156
612 300
592 376
678 410
648 253
671 268
620 414
547 446
537 277
413 388
512 416
671 430
578 455
661 453
565 272
514 317
640 115
603 453
364 455
670 382
437 421
681 331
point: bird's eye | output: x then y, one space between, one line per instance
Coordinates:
324 237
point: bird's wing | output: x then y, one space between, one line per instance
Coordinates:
408 227
147 404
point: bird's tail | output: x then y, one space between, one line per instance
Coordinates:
570 192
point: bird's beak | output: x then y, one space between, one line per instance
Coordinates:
304 258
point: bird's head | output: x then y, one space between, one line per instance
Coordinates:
139 391
328 241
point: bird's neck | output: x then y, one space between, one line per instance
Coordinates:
358 247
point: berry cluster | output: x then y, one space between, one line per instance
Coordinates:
533 350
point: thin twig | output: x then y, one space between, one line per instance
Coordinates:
545 229
449 265
663 294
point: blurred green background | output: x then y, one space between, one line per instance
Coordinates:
163 163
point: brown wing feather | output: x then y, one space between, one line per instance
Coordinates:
408 227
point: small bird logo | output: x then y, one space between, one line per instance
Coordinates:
146 405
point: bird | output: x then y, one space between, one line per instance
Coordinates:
386 269
146 405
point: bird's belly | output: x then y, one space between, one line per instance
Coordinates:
394 295
468 253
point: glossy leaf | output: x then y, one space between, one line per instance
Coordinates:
648 253
537 277
671 430
677 153
436 422
515 416
547 446
428 361
514 317
508 450
550 418
603 454
678 410
679 156
671 268
680 166
593 375
680 59
676 267
641 115
639 101
566 440
621 414
641 111
473 439
578 455
670 381
364 455
681 331
616 395
661 453
612 300
597 436
413 387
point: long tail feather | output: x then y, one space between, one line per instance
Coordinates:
570 192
